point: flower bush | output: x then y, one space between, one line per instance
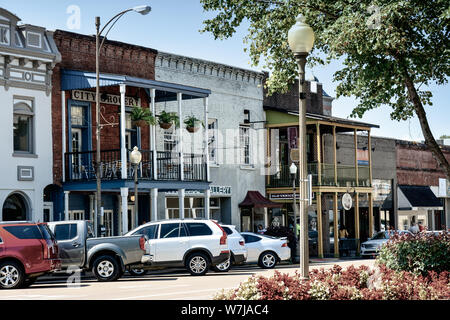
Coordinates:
362 283
418 253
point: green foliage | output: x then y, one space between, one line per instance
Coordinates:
142 114
193 122
419 253
168 117
381 44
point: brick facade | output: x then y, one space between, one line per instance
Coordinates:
78 53
416 165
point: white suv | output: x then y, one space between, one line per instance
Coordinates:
236 243
194 244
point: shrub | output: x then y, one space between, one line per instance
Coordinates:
418 253
353 283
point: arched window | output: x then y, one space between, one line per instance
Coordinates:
23 126
15 208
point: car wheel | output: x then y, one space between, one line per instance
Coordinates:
137 272
106 268
197 264
11 275
223 267
267 260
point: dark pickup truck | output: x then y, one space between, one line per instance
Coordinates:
107 257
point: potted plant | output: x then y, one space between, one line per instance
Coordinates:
192 124
141 116
166 119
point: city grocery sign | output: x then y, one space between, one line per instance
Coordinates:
89 96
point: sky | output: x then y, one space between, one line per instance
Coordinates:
173 26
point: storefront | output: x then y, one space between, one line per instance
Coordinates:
255 211
418 205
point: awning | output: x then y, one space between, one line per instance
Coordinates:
415 197
254 199
165 91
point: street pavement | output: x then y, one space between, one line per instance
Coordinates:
158 285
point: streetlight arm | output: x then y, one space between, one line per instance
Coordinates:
116 18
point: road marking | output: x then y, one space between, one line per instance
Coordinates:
170 293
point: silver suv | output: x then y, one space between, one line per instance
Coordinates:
194 244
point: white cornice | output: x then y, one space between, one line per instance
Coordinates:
190 65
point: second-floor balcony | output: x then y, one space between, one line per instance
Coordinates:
81 166
343 176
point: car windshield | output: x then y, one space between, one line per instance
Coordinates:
380 235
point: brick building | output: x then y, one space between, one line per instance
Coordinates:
418 175
127 79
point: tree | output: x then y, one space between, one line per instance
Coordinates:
390 50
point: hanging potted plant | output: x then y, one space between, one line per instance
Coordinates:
166 119
141 117
193 124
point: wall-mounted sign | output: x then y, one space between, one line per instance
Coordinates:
113 99
287 196
347 201
216 191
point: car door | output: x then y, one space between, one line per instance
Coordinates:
71 245
172 242
253 245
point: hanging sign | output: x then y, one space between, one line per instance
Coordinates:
113 99
347 201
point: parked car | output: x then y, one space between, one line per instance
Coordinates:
27 250
372 246
196 244
238 251
265 250
107 257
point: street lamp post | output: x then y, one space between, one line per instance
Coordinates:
301 41
135 159
139 9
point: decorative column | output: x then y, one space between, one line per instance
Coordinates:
154 205
206 137
66 205
63 134
153 136
336 227
124 204
355 137
335 156
207 203
123 149
319 225
180 137
181 195
319 162
357 233
370 214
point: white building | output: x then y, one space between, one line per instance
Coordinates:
27 57
236 135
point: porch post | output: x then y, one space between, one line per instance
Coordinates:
357 222
119 218
123 149
63 133
319 225
206 137
180 138
181 194
369 146
153 136
66 205
124 211
207 200
355 137
91 207
319 162
335 222
154 197
370 214
335 157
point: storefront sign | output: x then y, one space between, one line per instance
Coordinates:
216 191
113 99
287 196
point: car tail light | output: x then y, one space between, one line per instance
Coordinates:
242 243
45 249
284 245
142 243
223 238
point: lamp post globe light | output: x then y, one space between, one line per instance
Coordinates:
139 9
135 159
301 41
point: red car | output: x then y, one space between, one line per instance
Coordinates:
27 251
